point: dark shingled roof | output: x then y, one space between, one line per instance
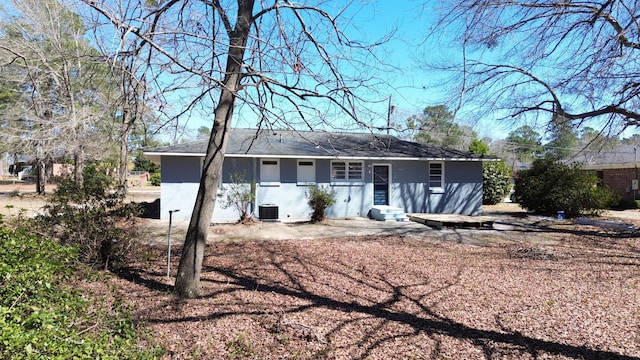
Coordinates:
288 143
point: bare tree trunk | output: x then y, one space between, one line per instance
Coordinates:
41 176
123 169
78 166
188 277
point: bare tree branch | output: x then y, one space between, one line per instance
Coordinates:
526 59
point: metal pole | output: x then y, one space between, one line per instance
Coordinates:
389 116
169 244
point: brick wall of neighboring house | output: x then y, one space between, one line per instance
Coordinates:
620 181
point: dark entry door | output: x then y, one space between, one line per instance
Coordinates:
380 184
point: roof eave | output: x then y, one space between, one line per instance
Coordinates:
155 157
609 166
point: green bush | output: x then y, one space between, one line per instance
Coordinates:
142 163
93 217
496 181
320 198
155 179
550 186
41 318
625 204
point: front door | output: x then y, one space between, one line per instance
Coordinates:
380 184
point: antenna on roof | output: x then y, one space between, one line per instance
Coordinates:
390 110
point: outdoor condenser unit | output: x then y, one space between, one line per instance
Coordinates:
268 212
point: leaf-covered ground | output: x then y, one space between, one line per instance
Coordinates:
560 292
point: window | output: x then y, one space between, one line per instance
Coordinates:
269 172
346 171
306 172
436 176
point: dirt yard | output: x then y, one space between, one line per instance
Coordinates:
533 288
397 297
538 289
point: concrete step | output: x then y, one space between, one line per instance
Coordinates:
388 213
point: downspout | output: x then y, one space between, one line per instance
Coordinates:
254 181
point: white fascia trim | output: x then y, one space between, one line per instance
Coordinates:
172 154
382 158
320 157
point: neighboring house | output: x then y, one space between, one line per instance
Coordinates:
365 170
18 163
617 168
23 166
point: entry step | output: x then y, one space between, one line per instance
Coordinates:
388 213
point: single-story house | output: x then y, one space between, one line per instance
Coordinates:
617 168
17 162
365 170
23 166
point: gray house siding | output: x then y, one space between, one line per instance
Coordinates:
183 169
455 177
408 189
291 197
179 185
181 179
288 170
323 171
243 167
463 190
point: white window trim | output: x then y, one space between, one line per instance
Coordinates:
390 178
437 189
262 165
313 165
347 181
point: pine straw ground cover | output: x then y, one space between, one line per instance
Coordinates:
575 296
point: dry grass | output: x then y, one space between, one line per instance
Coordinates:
543 290
576 296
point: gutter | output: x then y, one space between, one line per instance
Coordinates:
325 157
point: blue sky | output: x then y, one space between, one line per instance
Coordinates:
414 86
410 85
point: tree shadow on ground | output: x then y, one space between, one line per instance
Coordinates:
143 277
284 268
149 210
438 325
298 277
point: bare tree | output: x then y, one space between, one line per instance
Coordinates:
283 64
128 107
59 87
128 70
539 60
139 103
